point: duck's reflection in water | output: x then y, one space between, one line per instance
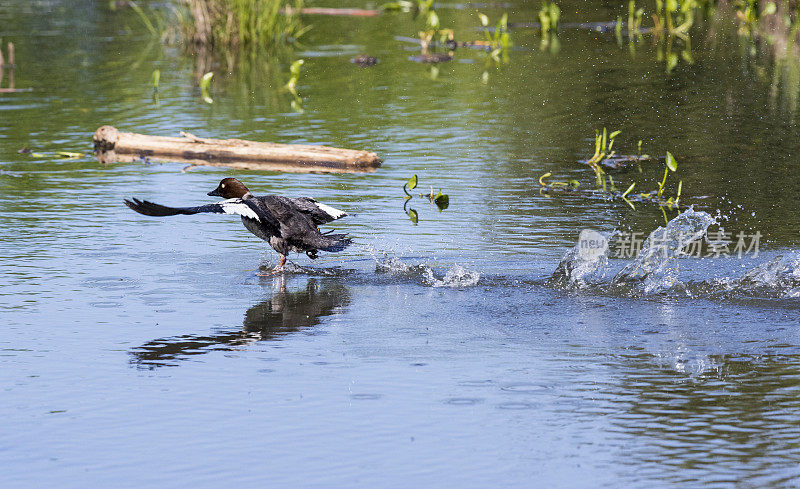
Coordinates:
288 310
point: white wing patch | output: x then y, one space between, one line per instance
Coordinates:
236 206
334 213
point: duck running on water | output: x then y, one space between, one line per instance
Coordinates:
287 224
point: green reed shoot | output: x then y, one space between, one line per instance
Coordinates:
671 165
291 85
228 24
144 18
603 148
549 15
634 19
625 196
499 40
205 83
675 17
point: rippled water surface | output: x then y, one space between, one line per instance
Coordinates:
139 352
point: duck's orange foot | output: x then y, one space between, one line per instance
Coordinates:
277 270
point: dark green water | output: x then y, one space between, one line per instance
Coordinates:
141 352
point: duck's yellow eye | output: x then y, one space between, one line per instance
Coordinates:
223 185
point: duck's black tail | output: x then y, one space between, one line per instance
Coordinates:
335 242
330 242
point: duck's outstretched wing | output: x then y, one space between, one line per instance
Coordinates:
230 206
319 213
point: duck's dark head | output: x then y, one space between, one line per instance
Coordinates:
230 188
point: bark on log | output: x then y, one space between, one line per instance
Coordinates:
111 146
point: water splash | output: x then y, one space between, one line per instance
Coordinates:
656 266
777 278
456 276
656 270
585 264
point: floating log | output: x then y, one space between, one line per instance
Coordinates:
112 146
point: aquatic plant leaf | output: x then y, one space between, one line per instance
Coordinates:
442 201
672 62
629 203
412 183
294 69
156 78
205 82
604 140
297 107
433 19
68 154
484 19
672 164
614 134
414 216
625 194
541 179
